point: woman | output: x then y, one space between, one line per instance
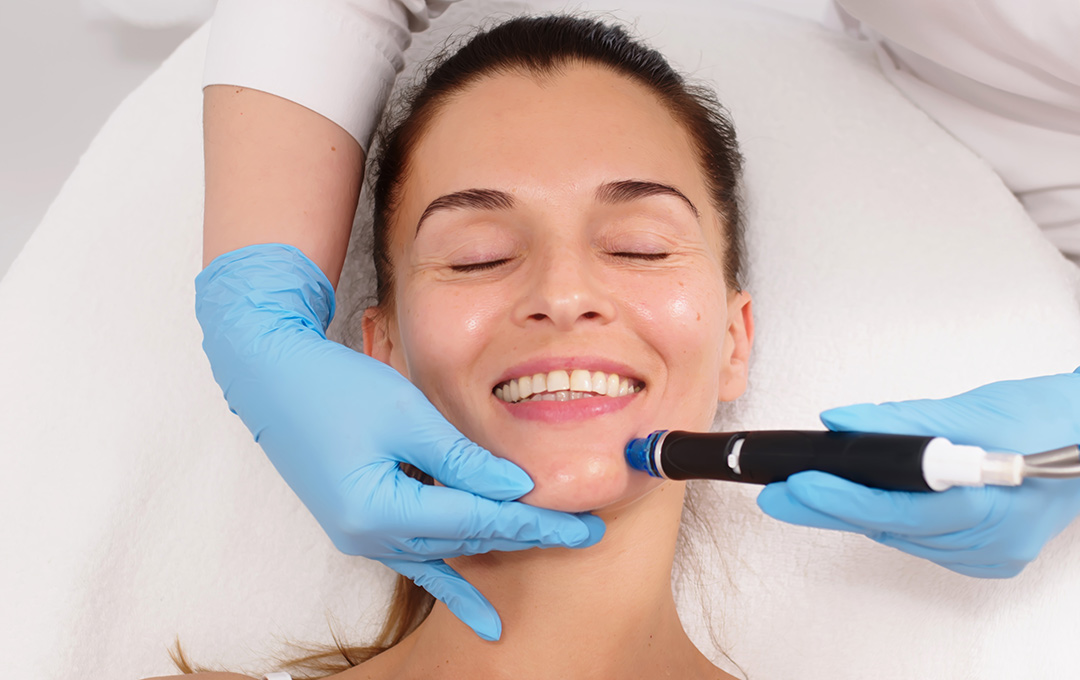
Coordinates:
284 153
557 247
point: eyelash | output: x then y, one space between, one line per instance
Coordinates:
484 266
479 266
643 256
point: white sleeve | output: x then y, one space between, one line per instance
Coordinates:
338 58
1003 76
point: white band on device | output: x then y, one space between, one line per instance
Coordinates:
946 465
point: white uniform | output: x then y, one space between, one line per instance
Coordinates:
1003 76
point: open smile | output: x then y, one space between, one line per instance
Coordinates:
563 385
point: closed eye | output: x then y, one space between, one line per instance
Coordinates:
643 256
479 266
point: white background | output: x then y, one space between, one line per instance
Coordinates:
65 65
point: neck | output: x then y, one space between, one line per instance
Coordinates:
600 612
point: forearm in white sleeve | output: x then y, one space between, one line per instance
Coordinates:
1003 76
338 58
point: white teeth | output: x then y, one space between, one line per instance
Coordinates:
562 385
599 383
581 381
613 385
557 381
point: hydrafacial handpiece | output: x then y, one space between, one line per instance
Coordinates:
884 461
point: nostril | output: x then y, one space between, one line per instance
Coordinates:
590 315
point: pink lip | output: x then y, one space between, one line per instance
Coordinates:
548 364
567 411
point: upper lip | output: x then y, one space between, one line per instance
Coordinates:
548 364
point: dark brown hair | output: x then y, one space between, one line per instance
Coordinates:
542 47
539 47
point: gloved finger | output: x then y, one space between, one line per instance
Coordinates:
926 417
441 548
986 561
442 512
437 448
460 596
898 512
961 423
998 416
1004 570
398 508
778 502
1018 525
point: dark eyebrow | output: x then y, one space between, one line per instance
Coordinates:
476 199
622 191
627 190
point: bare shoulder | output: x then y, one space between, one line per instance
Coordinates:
204 676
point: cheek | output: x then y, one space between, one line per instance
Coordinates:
685 321
444 333
685 315
434 321
682 312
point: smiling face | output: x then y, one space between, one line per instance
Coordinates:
558 280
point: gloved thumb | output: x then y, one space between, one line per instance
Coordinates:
1023 416
439 449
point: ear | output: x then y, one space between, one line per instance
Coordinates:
735 362
381 338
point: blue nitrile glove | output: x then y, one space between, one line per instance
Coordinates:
336 424
987 531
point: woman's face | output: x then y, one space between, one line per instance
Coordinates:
557 235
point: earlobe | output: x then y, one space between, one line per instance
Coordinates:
738 342
382 340
376 335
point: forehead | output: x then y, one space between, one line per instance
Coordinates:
555 134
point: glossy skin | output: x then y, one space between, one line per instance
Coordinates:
562 279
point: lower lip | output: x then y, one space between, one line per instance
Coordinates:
567 411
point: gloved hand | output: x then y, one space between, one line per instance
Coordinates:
987 531
336 424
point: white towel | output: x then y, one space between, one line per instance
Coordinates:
886 262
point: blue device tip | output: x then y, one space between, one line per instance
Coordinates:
639 453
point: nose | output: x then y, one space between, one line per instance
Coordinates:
565 289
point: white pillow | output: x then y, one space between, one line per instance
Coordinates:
886 262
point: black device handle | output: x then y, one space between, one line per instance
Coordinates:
883 461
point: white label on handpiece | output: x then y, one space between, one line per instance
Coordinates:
733 457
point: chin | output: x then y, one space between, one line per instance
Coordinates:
585 485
